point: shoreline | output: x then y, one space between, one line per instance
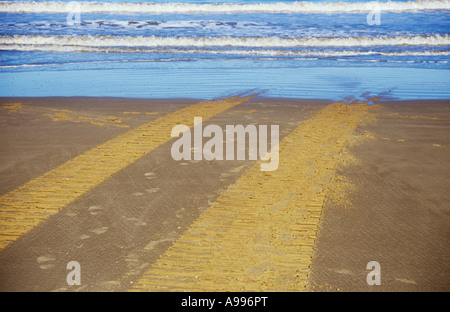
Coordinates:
380 99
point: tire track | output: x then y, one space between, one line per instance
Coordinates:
260 233
27 206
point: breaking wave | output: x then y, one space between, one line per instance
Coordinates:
192 8
199 42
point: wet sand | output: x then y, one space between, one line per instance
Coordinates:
395 209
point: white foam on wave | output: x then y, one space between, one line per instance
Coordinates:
192 8
242 52
199 42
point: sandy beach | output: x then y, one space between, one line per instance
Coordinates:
356 183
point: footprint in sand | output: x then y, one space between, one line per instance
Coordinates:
135 220
237 169
224 175
100 230
344 271
46 262
406 281
95 210
152 245
180 213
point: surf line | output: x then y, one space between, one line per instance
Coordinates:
213 149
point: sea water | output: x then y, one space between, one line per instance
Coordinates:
209 49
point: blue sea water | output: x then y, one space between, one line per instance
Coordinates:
208 49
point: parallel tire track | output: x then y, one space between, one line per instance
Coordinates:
27 206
